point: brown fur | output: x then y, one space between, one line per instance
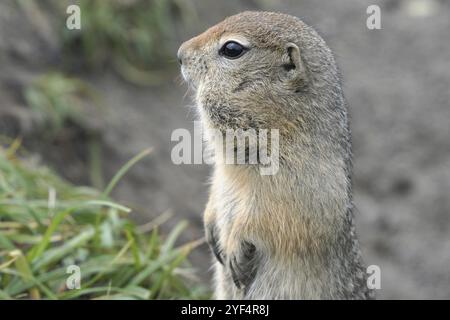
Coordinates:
290 235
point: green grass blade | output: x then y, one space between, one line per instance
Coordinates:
124 170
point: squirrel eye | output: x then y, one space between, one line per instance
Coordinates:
232 50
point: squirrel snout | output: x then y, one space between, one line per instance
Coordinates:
186 51
182 53
180 56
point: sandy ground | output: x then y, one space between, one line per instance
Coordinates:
397 83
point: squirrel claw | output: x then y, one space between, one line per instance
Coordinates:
211 239
243 265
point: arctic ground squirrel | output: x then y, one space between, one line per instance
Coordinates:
289 235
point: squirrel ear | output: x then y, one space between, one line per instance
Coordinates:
295 65
295 69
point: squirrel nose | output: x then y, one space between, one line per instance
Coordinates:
180 56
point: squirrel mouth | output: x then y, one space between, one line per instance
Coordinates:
187 78
184 74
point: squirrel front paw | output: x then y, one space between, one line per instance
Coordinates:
243 265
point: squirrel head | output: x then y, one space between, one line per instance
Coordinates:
260 70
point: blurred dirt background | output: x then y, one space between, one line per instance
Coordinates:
396 80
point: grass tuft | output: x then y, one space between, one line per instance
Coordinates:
48 227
